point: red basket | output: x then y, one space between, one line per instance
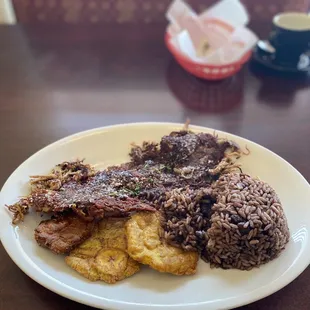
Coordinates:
208 72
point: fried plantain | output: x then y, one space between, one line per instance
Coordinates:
146 246
103 256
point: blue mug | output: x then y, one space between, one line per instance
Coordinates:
289 39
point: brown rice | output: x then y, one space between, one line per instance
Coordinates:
248 225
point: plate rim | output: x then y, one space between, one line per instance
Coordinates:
54 285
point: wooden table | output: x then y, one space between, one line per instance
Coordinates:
55 82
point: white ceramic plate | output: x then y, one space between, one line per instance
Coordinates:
209 288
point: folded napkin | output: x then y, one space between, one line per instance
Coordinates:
218 36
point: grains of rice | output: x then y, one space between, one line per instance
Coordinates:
259 227
238 223
190 210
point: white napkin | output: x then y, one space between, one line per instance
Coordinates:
218 36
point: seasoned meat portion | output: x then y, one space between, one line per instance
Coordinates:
183 148
182 159
88 204
178 146
111 207
63 234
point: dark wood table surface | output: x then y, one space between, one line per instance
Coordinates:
58 81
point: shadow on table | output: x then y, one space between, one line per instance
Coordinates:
209 97
278 89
